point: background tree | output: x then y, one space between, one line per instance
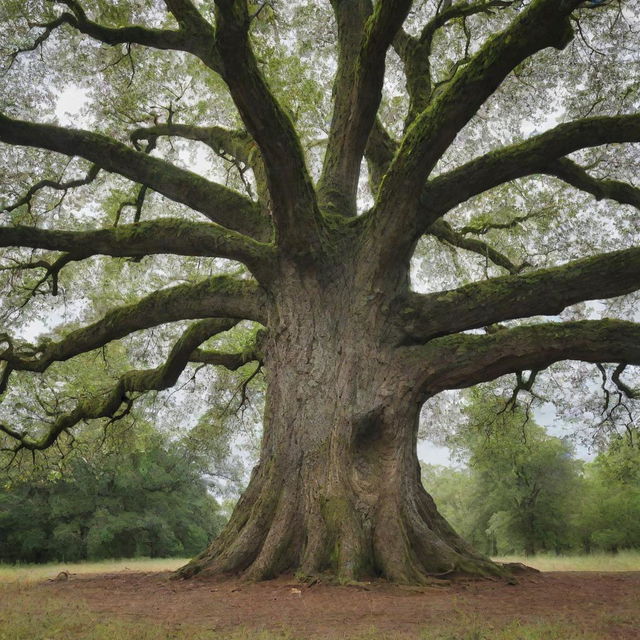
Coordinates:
522 491
147 501
608 514
478 123
524 481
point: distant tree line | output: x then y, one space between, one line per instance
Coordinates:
150 501
524 491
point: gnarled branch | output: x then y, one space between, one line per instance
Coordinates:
578 177
544 23
220 296
443 231
238 146
464 360
107 404
166 39
539 154
174 236
364 36
415 51
634 394
292 193
219 204
541 292
52 184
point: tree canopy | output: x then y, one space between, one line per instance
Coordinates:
253 182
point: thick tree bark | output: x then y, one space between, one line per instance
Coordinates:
338 486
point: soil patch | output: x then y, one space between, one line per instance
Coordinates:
605 604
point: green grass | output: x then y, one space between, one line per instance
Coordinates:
622 561
37 572
514 630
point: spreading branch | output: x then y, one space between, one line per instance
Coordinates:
219 204
170 236
629 392
486 226
231 360
187 15
108 403
165 39
292 193
234 145
463 360
220 296
544 23
443 231
364 36
238 144
541 292
539 154
228 360
91 175
51 272
415 51
578 177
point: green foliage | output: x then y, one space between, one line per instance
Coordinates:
608 516
147 502
524 479
524 492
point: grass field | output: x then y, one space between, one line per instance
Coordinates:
25 615
622 561
36 572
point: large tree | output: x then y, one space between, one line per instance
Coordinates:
336 185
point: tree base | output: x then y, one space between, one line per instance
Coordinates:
403 539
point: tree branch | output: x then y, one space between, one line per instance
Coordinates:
577 177
219 204
415 52
633 394
443 231
290 186
174 236
535 155
187 15
107 404
544 23
52 184
542 292
231 361
156 38
52 270
486 226
220 296
379 152
238 146
194 36
462 360
364 36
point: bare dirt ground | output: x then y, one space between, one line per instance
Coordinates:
605 604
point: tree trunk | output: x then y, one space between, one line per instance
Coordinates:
338 488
